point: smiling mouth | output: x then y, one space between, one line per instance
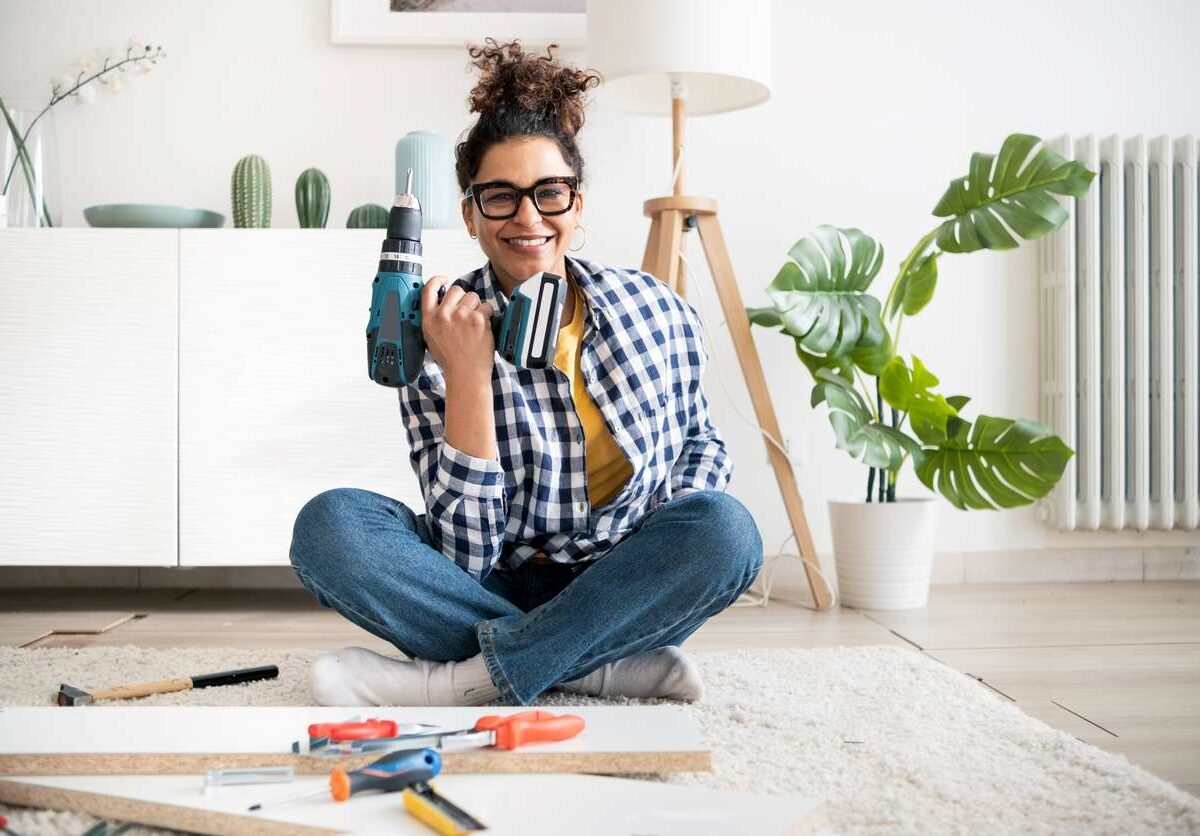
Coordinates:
529 241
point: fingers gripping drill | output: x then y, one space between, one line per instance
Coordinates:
526 331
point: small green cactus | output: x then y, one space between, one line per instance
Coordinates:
312 198
251 189
368 216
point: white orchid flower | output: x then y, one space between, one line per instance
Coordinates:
85 95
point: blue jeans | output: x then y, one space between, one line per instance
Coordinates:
368 557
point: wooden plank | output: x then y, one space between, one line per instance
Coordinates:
529 805
185 739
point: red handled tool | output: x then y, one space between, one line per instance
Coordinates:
321 735
495 730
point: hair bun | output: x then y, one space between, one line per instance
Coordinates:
510 77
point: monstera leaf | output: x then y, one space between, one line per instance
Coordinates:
1011 191
999 463
820 297
880 445
914 288
908 390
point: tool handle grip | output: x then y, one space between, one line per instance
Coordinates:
392 772
144 690
530 727
365 730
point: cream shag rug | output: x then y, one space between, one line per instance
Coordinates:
892 740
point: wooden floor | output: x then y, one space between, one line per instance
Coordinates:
1116 665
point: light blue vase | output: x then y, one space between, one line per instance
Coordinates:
431 158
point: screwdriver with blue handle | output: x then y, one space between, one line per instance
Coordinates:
409 771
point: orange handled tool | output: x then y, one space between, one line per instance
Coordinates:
354 731
509 732
499 731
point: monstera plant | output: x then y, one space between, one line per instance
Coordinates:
843 335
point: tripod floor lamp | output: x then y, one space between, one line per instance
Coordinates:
698 56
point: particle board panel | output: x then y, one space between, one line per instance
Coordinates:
529 805
178 740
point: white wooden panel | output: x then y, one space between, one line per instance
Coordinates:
509 805
259 730
88 384
276 405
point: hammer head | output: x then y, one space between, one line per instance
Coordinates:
68 695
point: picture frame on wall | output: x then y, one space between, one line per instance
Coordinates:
457 22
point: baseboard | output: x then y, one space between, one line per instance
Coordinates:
1179 563
1075 565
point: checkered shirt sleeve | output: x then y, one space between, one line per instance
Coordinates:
465 497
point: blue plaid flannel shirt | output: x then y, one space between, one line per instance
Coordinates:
642 358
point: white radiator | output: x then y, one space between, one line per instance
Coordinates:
1119 352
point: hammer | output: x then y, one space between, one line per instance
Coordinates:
70 695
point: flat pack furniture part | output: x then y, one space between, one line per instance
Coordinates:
528 805
172 740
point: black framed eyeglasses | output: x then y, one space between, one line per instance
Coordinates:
500 199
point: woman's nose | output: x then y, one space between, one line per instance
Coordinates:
527 213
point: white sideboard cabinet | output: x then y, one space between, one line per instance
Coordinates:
173 397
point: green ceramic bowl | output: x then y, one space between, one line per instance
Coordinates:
151 215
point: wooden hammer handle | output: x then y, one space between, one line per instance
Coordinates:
144 690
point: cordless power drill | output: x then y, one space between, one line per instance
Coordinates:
526 333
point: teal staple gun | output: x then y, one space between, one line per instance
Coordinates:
526 332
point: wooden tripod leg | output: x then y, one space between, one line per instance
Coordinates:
756 382
666 234
650 257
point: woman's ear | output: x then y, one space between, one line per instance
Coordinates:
468 219
579 206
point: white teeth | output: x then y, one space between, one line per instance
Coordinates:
529 242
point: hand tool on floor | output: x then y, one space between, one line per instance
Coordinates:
409 771
322 734
526 333
248 775
494 730
5 829
70 695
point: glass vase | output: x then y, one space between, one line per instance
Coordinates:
29 187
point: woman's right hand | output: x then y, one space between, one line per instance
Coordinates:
458 332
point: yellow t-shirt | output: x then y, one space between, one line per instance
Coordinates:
607 468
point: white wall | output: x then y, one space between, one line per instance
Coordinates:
875 107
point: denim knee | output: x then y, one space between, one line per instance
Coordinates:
318 519
731 536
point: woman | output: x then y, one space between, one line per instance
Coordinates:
576 528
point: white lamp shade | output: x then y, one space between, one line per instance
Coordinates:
720 49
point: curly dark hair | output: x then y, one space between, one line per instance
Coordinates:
522 94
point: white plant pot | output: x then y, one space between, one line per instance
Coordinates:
883 552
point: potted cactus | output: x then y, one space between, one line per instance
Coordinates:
312 198
883 547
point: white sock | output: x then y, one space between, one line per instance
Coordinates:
664 672
357 676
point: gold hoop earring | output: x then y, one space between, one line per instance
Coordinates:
581 243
